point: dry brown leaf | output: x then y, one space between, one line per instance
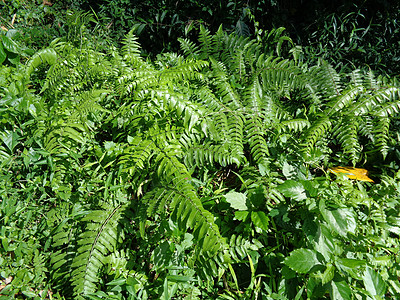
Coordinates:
5 282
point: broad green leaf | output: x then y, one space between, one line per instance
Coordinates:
292 189
29 294
299 293
385 260
350 263
260 219
374 283
350 266
340 290
328 273
236 200
241 215
341 220
263 168
288 171
13 58
3 54
10 139
312 187
9 44
302 260
325 244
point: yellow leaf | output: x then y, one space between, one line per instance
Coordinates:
352 173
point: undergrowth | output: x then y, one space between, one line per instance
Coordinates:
202 174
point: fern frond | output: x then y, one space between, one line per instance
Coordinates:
47 55
135 157
203 155
255 137
131 48
136 80
346 131
371 82
357 78
253 124
371 101
296 125
343 100
228 94
388 109
205 39
327 80
279 74
235 133
317 130
185 71
178 196
189 48
381 134
99 239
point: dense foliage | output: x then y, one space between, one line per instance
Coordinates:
202 173
347 34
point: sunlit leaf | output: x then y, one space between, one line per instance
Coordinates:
302 260
352 173
374 283
341 220
236 200
340 290
260 219
293 189
3 54
9 44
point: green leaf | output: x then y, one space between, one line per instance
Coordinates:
13 58
350 263
236 200
325 243
10 139
260 219
241 215
288 170
3 54
374 283
341 220
179 278
292 189
263 168
29 294
9 44
340 290
302 260
328 273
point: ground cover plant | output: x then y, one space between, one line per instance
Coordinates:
199 174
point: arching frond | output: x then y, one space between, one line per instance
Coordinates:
131 48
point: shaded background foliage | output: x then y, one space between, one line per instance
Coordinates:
345 33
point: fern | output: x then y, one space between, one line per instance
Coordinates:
99 239
189 48
48 56
93 245
131 48
317 130
205 39
254 127
381 134
139 134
